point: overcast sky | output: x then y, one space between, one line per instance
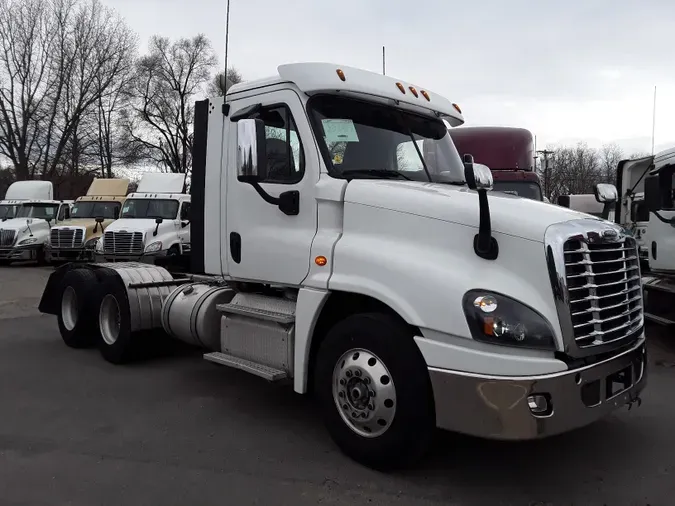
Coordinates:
568 71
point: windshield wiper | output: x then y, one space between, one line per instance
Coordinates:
385 174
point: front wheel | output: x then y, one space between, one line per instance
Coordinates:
374 391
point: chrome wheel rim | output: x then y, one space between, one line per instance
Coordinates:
109 319
364 393
69 311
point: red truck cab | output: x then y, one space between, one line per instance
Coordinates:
508 151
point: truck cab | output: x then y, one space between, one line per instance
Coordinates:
154 222
25 235
76 238
509 152
340 243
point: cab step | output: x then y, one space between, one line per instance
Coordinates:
260 307
260 370
659 319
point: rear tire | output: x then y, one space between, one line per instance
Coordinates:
114 320
368 354
76 318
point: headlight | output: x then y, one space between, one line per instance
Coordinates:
155 246
91 243
30 240
498 319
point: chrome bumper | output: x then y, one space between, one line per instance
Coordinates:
147 258
498 407
28 252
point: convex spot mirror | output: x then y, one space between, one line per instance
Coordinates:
606 192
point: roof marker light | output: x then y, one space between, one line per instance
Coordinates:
340 74
400 87
413 91
457 108
425 95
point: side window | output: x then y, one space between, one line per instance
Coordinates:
185 212
64 212
285 156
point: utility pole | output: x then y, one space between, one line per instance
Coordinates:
546 154
383 73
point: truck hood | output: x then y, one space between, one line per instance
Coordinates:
19 224
88 224
511 215
136 225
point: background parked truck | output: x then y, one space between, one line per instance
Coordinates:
508 151
76 239
26 235
401 296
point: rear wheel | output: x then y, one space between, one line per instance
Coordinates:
77 323
374 391
114 321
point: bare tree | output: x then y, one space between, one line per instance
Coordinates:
610 155
57 59
218 85
158 125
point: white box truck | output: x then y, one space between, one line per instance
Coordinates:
395 290
33 211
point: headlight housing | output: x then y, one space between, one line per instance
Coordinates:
155 246
498 319
91 243
30 240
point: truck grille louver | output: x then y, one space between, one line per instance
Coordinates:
7 237
61 238
603 289
123 243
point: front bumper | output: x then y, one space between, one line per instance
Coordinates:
497 407
16 253
70 254
147 258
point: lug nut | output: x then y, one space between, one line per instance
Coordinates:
354 414
366 380
357 373
342 382
348 374
371 393
341 395
371 407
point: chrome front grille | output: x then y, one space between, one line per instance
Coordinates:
123 243
7 237
61 238
605 295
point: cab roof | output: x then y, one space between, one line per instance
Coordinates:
319 77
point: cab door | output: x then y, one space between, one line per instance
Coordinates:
264 243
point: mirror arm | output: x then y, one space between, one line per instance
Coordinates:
265 196
484 244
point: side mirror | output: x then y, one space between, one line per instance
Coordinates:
483 176
606 193
159 220
99 219
252 152
184 223
653 194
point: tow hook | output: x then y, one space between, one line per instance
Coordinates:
632 400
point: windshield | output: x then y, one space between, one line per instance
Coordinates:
524 189
150 208
96 210
363 139
43 211
7 211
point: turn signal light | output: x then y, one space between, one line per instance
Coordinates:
321 260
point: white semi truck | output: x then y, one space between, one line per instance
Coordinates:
399 294
33 211
154 223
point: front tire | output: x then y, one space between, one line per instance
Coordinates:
374 391
77 323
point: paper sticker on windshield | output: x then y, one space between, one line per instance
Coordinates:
340 130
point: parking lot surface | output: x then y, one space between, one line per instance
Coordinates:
177 430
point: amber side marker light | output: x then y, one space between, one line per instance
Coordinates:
413 91
457 108
400 87
321 260
341 74
425 95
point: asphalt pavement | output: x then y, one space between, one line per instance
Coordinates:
177 430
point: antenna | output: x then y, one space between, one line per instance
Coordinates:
227 37
653 120
383 59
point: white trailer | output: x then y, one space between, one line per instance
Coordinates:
341 243
29 212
